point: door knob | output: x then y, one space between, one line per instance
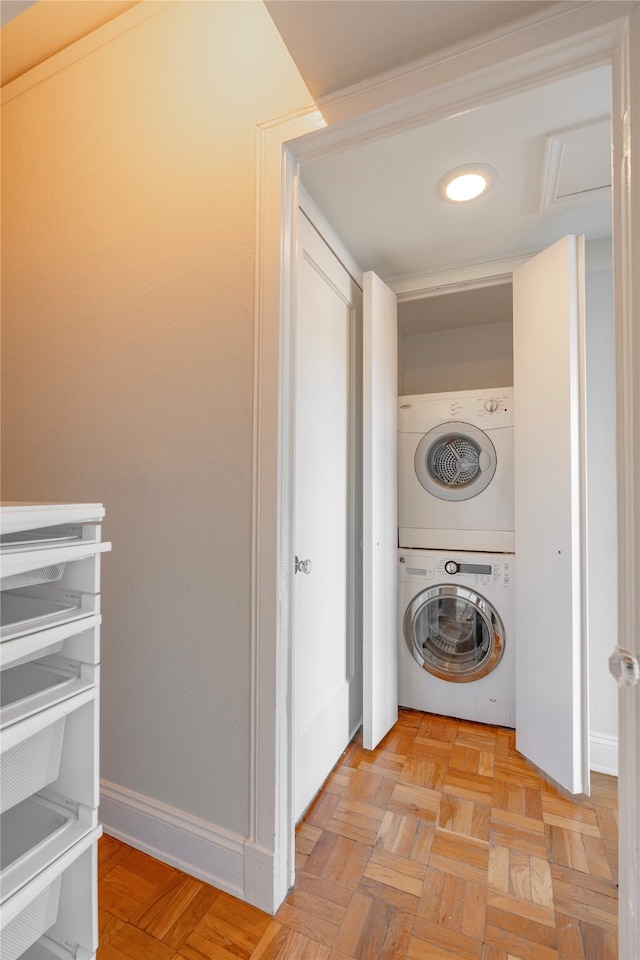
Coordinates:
303 566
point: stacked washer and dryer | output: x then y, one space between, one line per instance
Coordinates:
456 567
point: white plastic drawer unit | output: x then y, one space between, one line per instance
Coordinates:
49 727
55 917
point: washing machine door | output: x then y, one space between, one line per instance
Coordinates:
455 461
454 633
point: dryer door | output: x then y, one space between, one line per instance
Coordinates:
455 461
454 633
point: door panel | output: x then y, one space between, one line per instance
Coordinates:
380 497
326 321
551 657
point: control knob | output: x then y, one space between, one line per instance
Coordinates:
491 405
451 566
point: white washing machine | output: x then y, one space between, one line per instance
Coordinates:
456 653
455 470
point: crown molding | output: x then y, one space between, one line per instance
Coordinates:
468 277
559 32
81 48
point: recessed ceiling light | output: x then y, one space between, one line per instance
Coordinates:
466 182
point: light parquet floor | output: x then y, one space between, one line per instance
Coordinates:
441 844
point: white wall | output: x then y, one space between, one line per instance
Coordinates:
128 268
463 358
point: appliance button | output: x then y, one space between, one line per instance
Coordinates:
451 566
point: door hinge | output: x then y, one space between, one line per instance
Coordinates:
625 667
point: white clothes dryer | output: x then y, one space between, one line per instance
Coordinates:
455 471
456 645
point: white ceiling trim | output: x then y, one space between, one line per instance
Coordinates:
462 48
593 29
471 277
438 95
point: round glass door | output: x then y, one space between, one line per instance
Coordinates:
455 461
454 633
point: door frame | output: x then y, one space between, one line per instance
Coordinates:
565 42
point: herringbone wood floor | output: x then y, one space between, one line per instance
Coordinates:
441 844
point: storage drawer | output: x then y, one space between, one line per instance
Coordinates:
41 668
55 914
36 832
76 641
73 565
27 688
32 764
20 517
34 920
37 608
55 748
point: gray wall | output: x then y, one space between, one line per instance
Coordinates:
128 229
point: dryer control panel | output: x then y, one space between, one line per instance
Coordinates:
490 409
493 407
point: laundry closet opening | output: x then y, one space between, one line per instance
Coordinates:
457 344
456 629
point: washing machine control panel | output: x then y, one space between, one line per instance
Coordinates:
495 570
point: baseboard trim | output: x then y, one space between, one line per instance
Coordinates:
195 846
604 753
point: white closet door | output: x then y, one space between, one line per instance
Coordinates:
380 533
551 656
326 681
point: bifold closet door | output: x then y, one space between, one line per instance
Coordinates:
380 499
551 657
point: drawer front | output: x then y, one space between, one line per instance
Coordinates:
17 517
74 566
32 922
77 640
36 685
57 911
55 750
36 608
37 832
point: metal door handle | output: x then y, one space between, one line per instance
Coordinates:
303 566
